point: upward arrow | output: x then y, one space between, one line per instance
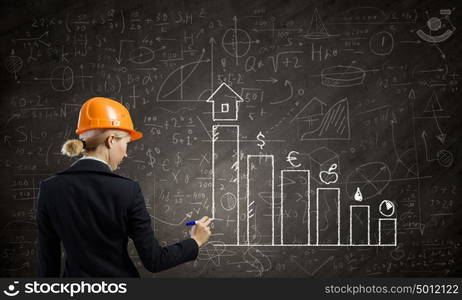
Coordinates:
211 42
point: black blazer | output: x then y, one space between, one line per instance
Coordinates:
93 212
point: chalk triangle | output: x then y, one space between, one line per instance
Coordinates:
433 104
411 94
317 30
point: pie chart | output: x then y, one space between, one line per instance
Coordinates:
387 208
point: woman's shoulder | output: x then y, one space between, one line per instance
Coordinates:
76 175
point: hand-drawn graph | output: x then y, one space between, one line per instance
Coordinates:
276 58
295 207
261 213
260 200
182 84
315 124
236 42
225 184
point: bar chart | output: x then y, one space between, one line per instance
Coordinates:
292 217
260 200
225 147
296 219
295 207
327 216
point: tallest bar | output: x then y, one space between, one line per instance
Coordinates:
225 183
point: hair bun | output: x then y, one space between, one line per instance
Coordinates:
72 148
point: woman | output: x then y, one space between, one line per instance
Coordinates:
93 211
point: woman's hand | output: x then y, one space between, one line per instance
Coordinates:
201 231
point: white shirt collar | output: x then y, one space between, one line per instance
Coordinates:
94 158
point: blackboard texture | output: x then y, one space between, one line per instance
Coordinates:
322 136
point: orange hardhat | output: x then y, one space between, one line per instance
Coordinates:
104 113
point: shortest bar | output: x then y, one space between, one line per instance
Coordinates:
387 232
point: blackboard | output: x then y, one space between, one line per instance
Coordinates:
323 136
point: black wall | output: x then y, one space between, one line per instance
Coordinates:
372 86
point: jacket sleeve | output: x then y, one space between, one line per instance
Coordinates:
49 244
154 257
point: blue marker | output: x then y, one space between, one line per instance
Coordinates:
192 223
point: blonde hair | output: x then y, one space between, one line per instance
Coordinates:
76 147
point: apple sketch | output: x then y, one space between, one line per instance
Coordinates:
329 176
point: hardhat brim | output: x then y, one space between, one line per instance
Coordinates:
135 135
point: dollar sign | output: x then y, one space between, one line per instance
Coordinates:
152 159
261 142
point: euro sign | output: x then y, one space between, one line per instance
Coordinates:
290 159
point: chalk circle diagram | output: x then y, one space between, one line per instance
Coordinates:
436 30
61 79
228 201
342 76
372 178
13 64
185 80
236 42
387 208
381 43
141 55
